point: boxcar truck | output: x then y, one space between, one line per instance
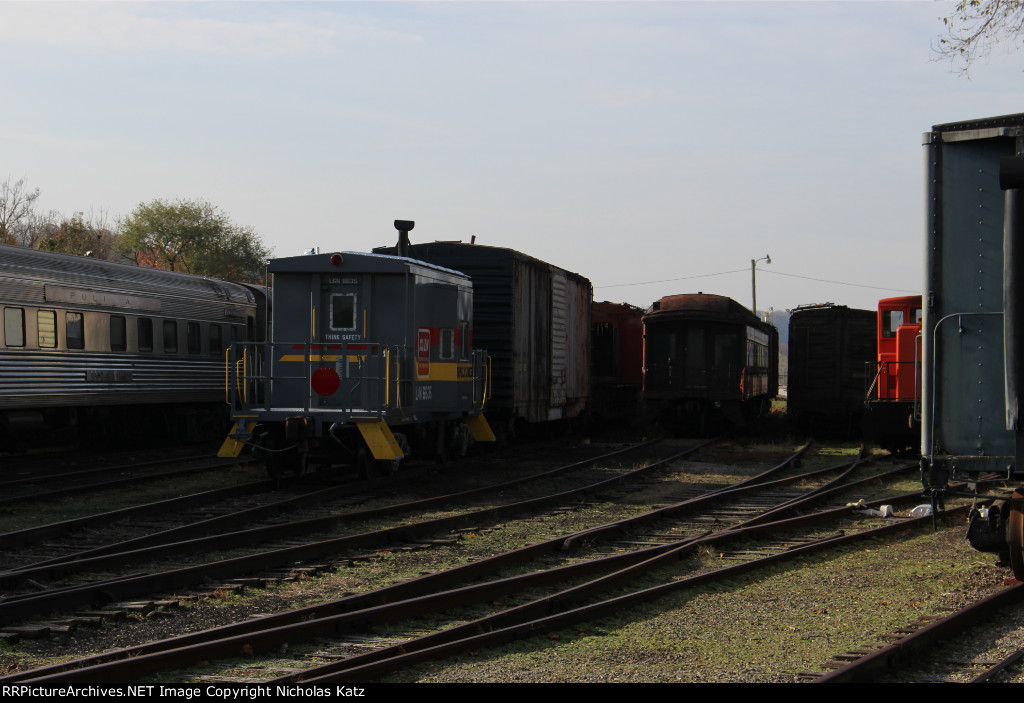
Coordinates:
971 347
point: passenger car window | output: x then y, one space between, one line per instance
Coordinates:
74 326
14 327
46 324
170 337
145 334
215 340
194 341
118 333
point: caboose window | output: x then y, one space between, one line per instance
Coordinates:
343 312
145 334
447 344
14 327
46 324
118 333
74 325
195 343
170 337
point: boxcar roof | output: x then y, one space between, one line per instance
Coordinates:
355 262
456 253
1016 120
67 269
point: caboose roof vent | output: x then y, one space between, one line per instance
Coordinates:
403 227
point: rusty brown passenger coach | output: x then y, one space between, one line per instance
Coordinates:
707 358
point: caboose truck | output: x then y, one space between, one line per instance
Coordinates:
970 382
360 344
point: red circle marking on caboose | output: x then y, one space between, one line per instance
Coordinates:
325 381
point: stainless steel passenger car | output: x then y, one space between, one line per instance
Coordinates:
361 344
100 346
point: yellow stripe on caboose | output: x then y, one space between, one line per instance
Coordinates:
439 370
451 371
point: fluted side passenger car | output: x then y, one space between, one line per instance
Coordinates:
100 347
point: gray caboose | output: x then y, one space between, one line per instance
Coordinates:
360 344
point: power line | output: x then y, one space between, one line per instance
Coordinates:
760 270
838 283
669 280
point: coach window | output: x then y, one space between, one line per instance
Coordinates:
194 340
14 327
170 337
145 334
447 344
343 312
215 340
464 340
118 333
46 324
74 326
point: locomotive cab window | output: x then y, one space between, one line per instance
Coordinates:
343 312
170 337
14 327
118 333
891 321
46 326
74 327
145 328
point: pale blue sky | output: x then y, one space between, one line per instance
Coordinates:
628 142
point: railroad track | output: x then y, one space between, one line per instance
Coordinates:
974 644
277 555
324 620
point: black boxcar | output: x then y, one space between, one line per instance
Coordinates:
707 357
830 347
533 319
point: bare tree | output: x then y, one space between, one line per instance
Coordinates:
17 203
976 26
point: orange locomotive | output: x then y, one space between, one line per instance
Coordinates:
894 395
